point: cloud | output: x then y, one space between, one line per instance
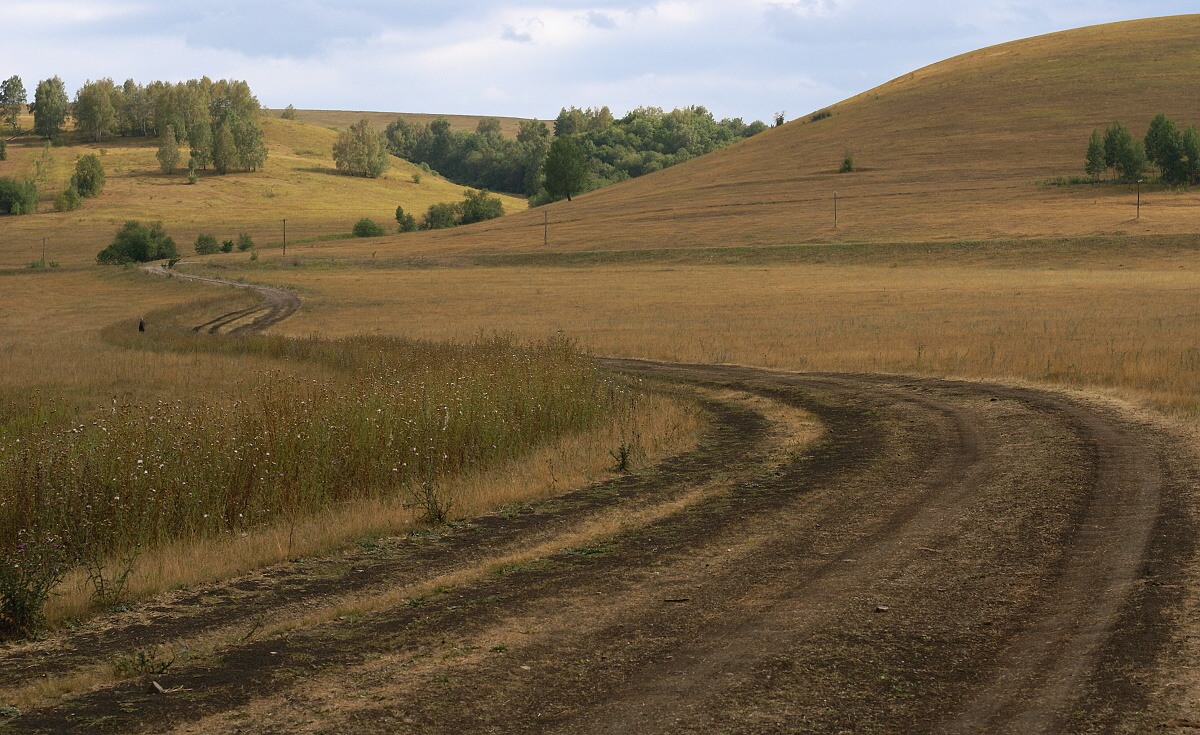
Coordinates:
597 19
743 58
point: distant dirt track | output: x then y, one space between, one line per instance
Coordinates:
277 304
949 557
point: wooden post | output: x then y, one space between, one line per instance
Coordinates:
285 238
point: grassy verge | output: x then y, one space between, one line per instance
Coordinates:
375 421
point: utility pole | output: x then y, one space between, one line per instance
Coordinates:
835 210
545 228
43 251
1139 201
285 238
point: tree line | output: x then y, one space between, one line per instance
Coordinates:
217 120
643 141
1173 152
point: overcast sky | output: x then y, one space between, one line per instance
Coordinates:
528 58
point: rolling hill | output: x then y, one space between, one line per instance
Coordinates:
955 150
299 183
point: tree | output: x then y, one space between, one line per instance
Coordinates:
478 206
95 112
440 216
362 151
168 151
780 118
206 244
225 153
406 222
12 100
201 151
89 175
244 242
50 105
566 168
367 227
1190 146
139 243
1122 152
289 113
1162 142
1094 164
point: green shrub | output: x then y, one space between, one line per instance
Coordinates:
67 200
89 175
366 227
18 197
821 115
3 150
406 222
478 206
206 244
227 246
244 242
138 243
847 165
441 216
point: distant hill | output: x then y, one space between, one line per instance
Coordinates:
954 150
346 118
299 183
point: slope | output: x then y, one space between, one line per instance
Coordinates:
952 151
299 183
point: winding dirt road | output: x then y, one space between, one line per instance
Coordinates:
276 305
947 557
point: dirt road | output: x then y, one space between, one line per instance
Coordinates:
947 558
276 305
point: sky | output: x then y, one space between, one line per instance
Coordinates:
528 58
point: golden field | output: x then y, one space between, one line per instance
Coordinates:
949 257
299 184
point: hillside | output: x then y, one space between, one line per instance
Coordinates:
954 150
299 183
346 118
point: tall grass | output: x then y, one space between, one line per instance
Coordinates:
395 417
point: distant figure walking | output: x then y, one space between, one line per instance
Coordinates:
141 324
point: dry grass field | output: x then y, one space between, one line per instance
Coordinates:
346 118
299 183
951 151
949 257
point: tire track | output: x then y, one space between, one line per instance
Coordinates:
276 305
951 557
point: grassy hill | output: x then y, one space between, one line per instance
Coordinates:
954 150
299 183
346 118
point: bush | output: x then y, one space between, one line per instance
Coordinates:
68 200
289 113
847 165
138 243
18 197
440 216
3 150
366 227
406 222
29 569
206 245
227 246
89 175
478 207
244 243
821 115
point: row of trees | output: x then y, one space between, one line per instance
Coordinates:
218 121
643 141
1174 152
476 206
